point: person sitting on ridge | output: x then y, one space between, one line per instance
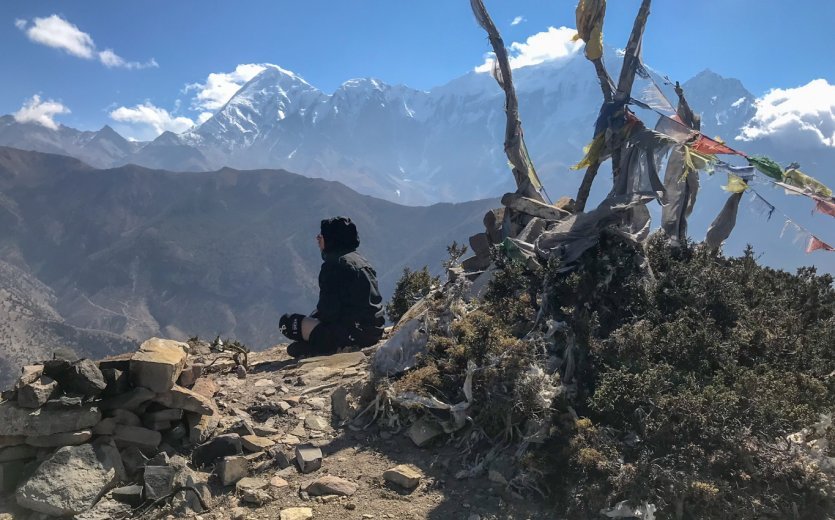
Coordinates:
350 310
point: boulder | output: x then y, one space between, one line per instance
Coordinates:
159 481
201 427
133 459
105 509
125 417
131 400
405 475
170 414
157 364
220 446
46 421
232 469
142 438
309 458
331 485
185 399
11 473
59 439
17 453
72 479
29 374
107 426
119 362
12 440
118 381
79 377
205 387
36 393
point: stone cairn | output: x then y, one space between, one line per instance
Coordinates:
71 431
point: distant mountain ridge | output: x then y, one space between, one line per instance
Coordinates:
127 253
394 142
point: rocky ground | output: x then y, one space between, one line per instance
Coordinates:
309 446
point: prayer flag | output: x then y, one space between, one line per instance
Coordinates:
709 146
815 243
825 206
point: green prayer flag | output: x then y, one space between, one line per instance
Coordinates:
766 166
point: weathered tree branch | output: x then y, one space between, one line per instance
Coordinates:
513 144
631 61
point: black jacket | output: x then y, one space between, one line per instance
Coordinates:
348 293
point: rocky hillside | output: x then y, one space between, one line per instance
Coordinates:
137 252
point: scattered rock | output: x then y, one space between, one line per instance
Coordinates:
278 482
205 387
131 495
240 371
255 443
422 432
72 479
405 475
315 422
283 406
118 381
157 364
185 399
299 430
317 403
263 430
264 382
279 457
159 481
232 469
496 477
342 405
296 513
21 421
256 497
36 393
309 458
59 439
331 485
105 509
220 446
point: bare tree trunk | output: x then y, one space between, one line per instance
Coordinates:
631 61
514 146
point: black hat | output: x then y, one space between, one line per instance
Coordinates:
340 234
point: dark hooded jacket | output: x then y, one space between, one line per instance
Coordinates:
348 291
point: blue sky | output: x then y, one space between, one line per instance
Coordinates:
154 49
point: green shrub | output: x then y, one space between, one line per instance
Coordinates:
410 288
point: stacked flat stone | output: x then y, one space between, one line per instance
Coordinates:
78 428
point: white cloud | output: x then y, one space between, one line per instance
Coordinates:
221 86
553 44
147 117
804 115
41 112
111 59
58 33
203 117
518 20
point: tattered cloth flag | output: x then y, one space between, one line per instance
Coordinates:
590 15
815 243
766 166
824 206
761 206
735 184
708 146
797 178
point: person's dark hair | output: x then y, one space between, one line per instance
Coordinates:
339 234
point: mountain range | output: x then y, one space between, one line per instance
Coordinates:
96 259
391 141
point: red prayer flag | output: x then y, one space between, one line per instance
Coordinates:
825 206
709 146
815 243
